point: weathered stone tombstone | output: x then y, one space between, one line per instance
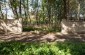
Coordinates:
11 26
72 26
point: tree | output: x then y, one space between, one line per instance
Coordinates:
14 4
1 14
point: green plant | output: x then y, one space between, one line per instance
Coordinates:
59 48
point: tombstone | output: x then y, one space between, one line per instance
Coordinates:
72 26
11 26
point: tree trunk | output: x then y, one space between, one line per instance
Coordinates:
20 10
78 14
65 9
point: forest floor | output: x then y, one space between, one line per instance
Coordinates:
42 37
42 43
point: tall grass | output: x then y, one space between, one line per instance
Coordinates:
19 48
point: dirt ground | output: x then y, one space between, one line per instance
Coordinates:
42 37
